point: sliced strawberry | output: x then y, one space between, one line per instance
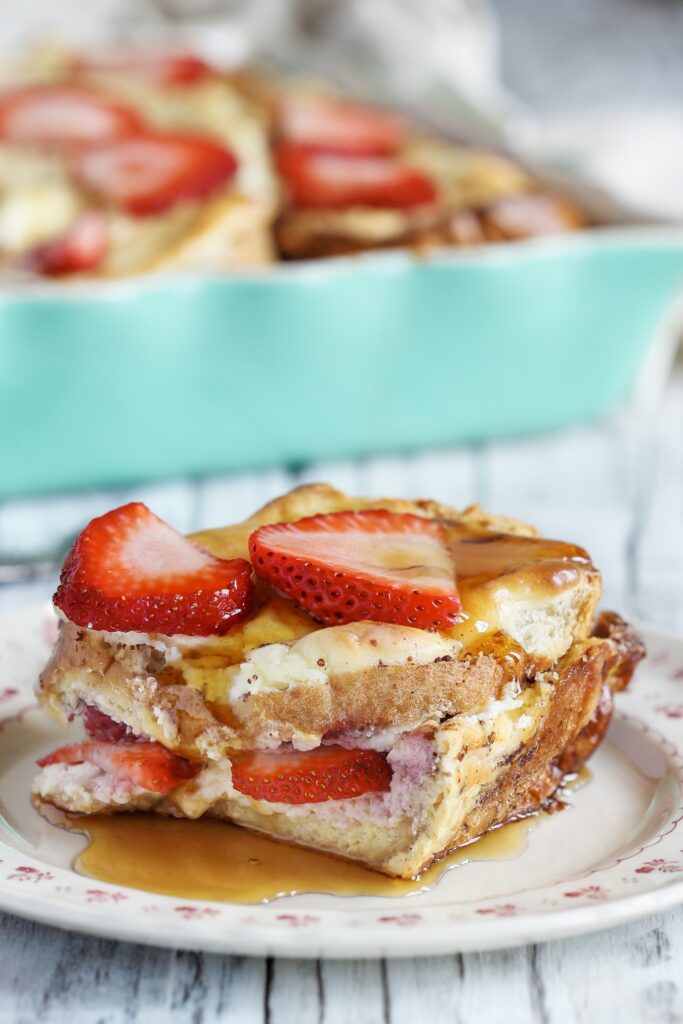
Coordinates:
81 247
310 777
353 566
148 765
162 67
129 570
327 125
61 115
152 172
327 181
103 728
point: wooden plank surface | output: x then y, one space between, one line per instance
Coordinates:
616 487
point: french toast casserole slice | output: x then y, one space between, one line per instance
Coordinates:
378 741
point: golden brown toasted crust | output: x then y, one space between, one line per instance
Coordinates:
573 728
477 517
321 499
626 650
377 698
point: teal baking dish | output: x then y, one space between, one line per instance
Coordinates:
115 383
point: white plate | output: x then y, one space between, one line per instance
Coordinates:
615 854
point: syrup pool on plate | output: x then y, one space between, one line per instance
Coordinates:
214 860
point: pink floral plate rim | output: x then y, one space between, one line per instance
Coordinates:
648 878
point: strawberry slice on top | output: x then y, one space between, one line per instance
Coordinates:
62 115
146 764
312 776
157 66
330 125
130 571
151 172
352 566
80 248
328 181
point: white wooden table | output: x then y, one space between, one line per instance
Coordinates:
615 487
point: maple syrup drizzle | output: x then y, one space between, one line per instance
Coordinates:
536 567
480 556
214 860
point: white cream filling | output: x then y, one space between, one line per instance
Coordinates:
510 701
170 646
